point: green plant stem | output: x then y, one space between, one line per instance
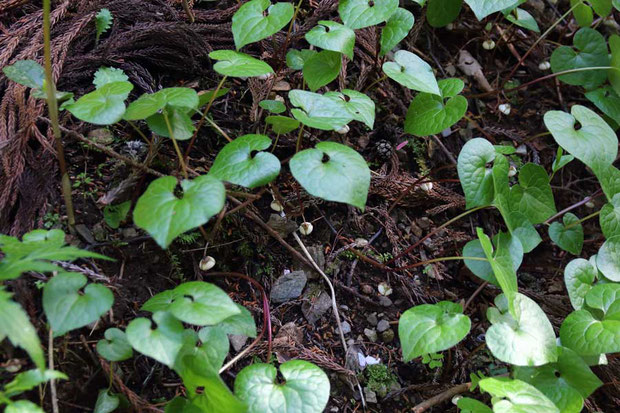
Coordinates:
50 362
52 105
176 145
584 201
440 259
381 79
275 143
188 11
564 72
203 117
139 132
299 135
433 232
288 35
215 125
592 215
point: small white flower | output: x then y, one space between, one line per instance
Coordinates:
512 171
278 98
505 108
306 228
545 65
276 206
590 204
361 242
427 186
450 26
264 76
384 289
488 45
206 263
344 130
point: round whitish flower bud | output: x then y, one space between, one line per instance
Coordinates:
276 206
427 186
512 171
361 242
265 76
590 204
544 65
306 228
206 263
450 26
279 98
505 108
488 45
344 130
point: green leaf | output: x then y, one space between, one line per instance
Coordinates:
523 19
516 396
30 379
258 19
429 328
332 36
238 324
609 218
305 388
195 302
23 406
533 196
608 258
320 69
412 72
180 122
582 12
525 339
429 115
67 307
607 101
579 277
35 252
588 336
358 14
163 343
236 64
115 346
103 22
396 29
113 215
614 74
469 405
273 106
359 105
282 124
334 172
591 52
561 160
106 402
165 216
26 72
295 59
106 75
568 238
604 297
243 162
205 97
442 12
319 111
508 244
15 324
182 99
104 106
476 179
502 265
482 8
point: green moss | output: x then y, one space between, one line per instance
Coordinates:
380 379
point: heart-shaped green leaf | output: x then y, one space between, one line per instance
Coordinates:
508 244
568 236
516 396
361 107
429 328
591 52
332 36
295 59
162 343
178 124
113 215
104 106
282 124
321 68
68 308
273 106
608 258
195 302
334 172
412 72
608 102
482 8
533 196
579 277
525 340
610 217
476 178
614 73
358 14
26 72
442 12
23 406
318 111
236 64
206 96
305 388
469 405
106 75
396 29
588 336
115 346
428 114
258 19
181 98
606 298
243 162
523 18
165 216
106 402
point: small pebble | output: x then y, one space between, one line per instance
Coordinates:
346 327
387 336
371 333
372 319
383 326
385 301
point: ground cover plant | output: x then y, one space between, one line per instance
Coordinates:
419 200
